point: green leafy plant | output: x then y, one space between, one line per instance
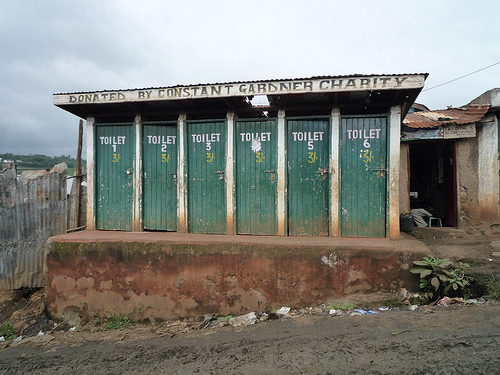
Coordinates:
347 306
438 278
7 331
493 287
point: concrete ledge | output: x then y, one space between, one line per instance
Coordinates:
192 275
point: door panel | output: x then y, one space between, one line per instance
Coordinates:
114 176
308 179
160 177
206 185
256 182
363 176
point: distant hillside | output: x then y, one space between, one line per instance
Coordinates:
26 162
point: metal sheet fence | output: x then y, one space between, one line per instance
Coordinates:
32 208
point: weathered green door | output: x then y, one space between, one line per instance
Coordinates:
363 176
308 185
114 166
256 182
206 185
160 177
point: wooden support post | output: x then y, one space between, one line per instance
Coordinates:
282 176
91 219
335 173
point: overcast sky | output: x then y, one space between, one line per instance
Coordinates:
58 46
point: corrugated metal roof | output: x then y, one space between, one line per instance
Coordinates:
254 81
451 116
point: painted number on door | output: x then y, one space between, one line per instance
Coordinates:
309 138
113 141
366 134
208 139
255 140
164 141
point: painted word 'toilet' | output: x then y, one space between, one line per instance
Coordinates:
118 140
202 138
363 133
161 139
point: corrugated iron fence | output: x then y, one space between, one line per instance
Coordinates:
32 208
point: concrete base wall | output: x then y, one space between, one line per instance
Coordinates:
190 280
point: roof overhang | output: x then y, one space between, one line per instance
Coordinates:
346 92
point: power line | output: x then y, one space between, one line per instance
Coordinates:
456 79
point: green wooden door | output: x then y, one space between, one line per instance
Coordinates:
160 177
206 185
256 182
308 179
114 166
363 176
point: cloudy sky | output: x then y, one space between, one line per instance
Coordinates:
57 46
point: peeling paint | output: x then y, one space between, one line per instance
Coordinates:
332 260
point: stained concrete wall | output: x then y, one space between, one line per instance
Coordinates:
478 183
190 280
404 178
468 184
488 167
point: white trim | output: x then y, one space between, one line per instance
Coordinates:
281 199
335 173
393 180
137 214
91 219
224 90
229 175
182 226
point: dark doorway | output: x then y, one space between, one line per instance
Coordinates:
431 163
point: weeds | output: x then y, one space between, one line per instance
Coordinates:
110 322
95 321
7 331
493 287
393 303
347 306
113 322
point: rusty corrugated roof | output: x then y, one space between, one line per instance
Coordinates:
451 116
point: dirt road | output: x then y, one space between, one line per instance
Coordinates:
431 340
